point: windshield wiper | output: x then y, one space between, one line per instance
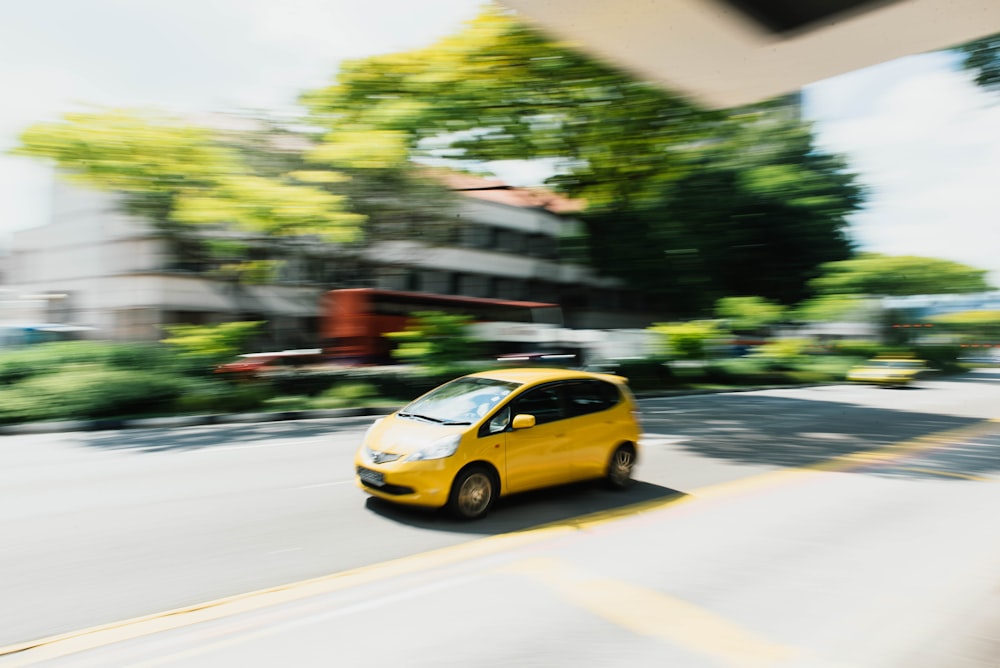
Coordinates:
455 422
421 417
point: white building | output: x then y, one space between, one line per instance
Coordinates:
122 277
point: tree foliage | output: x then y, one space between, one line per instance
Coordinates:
174 172
888 275
499 90
755 213
211 344
686 204
983 325
834 308
687 340
748 314
982 58
433 338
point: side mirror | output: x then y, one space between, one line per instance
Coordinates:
523 421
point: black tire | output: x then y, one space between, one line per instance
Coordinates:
620 467
473 493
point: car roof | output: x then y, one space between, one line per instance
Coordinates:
526 375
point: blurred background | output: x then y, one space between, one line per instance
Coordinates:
346 199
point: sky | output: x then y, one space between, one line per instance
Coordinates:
923 139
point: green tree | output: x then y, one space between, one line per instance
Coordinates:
979 326
433 338
834 308
749 314
171 173
782 354
686 204
688 340
500 90
205 346
982 58
888 275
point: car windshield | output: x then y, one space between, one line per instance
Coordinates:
462 401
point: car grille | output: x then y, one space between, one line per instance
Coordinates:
395 490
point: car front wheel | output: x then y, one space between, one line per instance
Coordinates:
472 494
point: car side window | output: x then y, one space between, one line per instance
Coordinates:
545 403
590 396
498 422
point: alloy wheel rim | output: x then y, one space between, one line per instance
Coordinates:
475 494
621 467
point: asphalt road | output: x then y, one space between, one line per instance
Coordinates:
882 559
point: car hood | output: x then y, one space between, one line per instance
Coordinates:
403 436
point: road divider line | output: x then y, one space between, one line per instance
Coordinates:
651 613
91 638
943 473
250 634
907 448
57 646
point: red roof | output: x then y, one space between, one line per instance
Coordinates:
495 190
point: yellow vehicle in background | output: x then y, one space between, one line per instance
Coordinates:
888 371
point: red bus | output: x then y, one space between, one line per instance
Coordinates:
355 320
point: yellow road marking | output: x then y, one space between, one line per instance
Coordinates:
52 647
91 638
905 448
651 613
943 473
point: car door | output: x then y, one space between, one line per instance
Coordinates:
593 427
539 456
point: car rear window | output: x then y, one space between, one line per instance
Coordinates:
591 396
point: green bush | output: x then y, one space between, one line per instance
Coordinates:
826 367
742 371
289 403
941 357
300 384
89 391
347 395
205 395
26 362
435 338
688 340
203 346
782 354
736 371
863 349
645 374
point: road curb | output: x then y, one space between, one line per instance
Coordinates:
285 416
190 420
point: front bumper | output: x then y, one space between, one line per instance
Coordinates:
426 483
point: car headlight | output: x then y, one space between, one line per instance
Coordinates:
439 449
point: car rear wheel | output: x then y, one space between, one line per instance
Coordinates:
620 467
472 493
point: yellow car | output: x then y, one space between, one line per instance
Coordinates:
487 435
888 371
